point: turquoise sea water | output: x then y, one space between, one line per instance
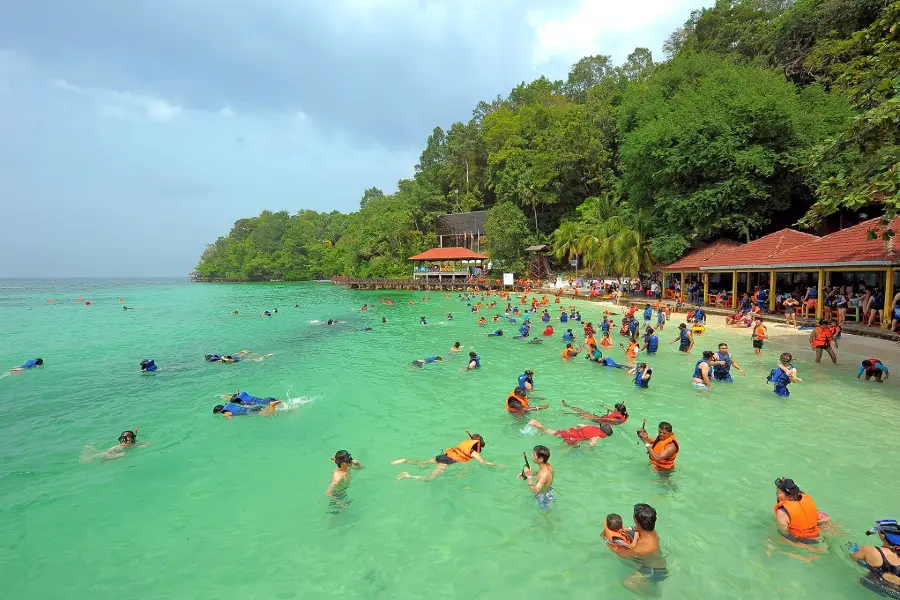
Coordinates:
236 509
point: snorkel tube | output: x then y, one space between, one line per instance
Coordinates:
643 428
527 466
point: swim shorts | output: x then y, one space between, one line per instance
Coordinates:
654 575
545 500
807 541
781 390
723 377
699 384
443 459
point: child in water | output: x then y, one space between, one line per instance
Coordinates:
543 487
340 479
616 535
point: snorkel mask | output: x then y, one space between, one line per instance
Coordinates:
889 528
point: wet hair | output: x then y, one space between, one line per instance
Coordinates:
568 345
786 357
519 391
641 366
218 408
621 408
472 355
649 331
456 345
605 428
707 354
129 435
665 426
682 326
39 361
613 522
342 457
722 344
542 452
481 444
645 516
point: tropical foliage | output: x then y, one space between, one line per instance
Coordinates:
765 112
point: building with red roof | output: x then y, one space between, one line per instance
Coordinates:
791 258
448 265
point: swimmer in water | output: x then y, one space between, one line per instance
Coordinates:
29 364
498 333
234 312
124 308
127 440
384 319
580 433
423 321
340 479
455 348
461 453
474 361
232 409
427 361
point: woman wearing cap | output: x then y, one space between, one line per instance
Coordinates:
882 561
340 479
796 513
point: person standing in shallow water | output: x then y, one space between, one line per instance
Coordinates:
543 485
340 479
645 552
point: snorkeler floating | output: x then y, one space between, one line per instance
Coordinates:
461 453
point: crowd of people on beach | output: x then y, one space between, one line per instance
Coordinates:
797 517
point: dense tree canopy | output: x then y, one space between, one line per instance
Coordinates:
766 112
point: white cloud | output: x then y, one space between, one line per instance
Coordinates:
114 104
226 112
581 32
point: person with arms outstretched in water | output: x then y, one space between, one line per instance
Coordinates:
461 453
580 433
127 441
612 417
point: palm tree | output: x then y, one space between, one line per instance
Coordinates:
566 241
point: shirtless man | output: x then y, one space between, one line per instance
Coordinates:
646 552
543 487
340 479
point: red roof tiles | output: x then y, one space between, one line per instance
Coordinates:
693 260
448 254
757 252
850 247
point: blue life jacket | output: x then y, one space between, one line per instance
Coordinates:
697 373
523 379
545 317
639 379
725 369
604 326
524 330
633 327
779 377
568 337
652 343
431 359
700 316
236 409
563 318
213 357
29 364
685 342
648 313
578 317
477 361
148 365
744 305
660 317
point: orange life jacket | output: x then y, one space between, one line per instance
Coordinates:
568 352
658 447
605 342
629 352
804 517
822 337
462 452
590 340
523 401
611 537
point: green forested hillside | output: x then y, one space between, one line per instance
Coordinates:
765 112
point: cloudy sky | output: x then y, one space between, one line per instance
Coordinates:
136 132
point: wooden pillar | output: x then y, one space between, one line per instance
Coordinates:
771 291
888 298
705 288
681 292
820 287
734 280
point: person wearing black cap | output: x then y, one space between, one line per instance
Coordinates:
882 561
796 513
340 479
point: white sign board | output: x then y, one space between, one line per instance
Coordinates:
574 262
508 279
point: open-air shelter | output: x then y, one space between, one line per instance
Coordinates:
447 265
790 258
690 263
